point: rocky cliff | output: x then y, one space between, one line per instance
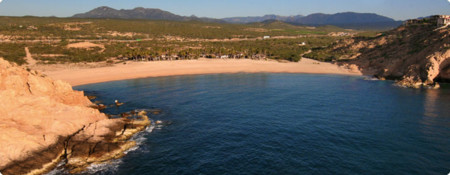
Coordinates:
43 122
413 55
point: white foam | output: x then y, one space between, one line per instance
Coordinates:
113 165
371 79
110 166
140 139
150 128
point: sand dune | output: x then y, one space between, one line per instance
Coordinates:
132 70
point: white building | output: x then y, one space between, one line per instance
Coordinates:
443 20
266 37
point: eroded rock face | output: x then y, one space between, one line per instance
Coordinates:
43 121
413 55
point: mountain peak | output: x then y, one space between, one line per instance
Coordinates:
104 8
139 8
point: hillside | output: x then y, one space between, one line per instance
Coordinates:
413 55
138 13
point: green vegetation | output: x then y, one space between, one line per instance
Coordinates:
368 34
70 28
280 49
321 54
48 38
327 54
13 52
51 54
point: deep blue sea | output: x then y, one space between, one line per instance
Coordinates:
281 124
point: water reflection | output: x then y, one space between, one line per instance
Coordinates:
436 120
436 112
430 104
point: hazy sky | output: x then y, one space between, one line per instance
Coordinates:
397 9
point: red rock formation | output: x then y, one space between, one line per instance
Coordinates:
43 121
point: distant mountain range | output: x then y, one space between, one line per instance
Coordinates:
345 20
140 13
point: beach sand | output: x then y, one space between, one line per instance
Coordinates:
80 76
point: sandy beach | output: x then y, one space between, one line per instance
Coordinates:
80 76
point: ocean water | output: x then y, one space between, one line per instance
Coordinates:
281 124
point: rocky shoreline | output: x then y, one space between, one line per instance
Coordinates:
44 122
414 56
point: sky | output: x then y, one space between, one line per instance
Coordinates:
397 9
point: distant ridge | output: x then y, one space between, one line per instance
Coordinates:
253 19
139 13
345 20
349 20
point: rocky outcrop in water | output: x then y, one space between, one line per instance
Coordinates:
413 55
44 122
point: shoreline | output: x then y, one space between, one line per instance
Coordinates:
77 76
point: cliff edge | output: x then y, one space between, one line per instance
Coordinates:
414 55
44 122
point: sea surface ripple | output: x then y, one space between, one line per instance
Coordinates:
282 124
